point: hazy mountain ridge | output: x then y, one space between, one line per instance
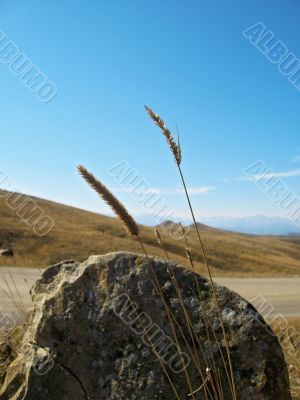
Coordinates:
255 225
258 225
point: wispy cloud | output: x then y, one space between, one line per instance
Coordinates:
198 190
269 175
226 180
193 190
296 159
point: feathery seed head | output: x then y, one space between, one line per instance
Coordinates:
179 153
188 254
175 148
158 237
118 208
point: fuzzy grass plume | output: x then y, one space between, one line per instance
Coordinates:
175 147
129 223
176 150
158 237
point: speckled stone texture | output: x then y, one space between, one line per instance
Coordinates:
85 340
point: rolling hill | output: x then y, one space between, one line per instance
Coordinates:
78 233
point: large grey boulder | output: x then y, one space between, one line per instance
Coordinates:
98 329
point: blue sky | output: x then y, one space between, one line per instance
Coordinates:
189 61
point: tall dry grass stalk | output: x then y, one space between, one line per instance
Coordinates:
207 323
154 350
214 377
132 229
176 151
188 321
170 316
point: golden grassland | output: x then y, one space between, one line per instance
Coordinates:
76 234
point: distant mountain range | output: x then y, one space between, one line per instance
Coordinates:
256 225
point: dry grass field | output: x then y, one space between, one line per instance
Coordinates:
76 235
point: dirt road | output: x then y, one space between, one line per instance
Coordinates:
282 295
15 284
279 295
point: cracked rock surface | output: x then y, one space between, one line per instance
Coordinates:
97 329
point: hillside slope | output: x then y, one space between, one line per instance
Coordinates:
76 234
